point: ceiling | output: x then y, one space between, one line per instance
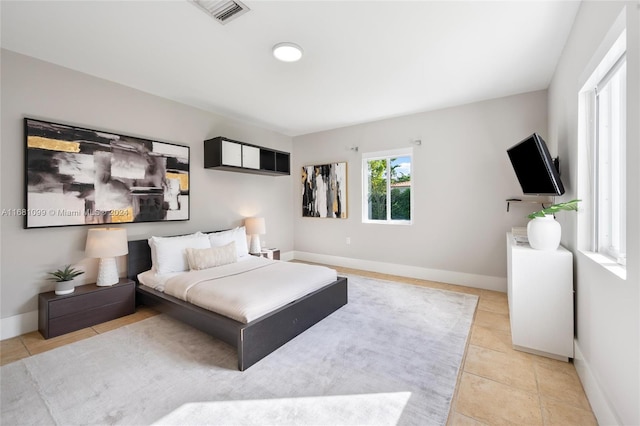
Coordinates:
363 60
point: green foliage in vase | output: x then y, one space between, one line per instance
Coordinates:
553 209
66 274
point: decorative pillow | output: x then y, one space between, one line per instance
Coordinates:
170 252
212 257
152 246
238 235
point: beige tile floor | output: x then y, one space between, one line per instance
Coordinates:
496 386
499 385
33 343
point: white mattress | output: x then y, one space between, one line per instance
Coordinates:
243 291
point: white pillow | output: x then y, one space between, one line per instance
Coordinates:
212 257
239 235
152 246
170 252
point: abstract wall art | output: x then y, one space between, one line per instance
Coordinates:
77 176
324 191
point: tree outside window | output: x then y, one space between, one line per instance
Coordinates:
388 189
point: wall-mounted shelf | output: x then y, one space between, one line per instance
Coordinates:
540 202
226 154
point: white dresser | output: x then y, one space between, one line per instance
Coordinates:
540 291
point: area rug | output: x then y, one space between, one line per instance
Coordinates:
390 356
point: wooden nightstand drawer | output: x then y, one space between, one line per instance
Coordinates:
87 318
89 301
88 305
269 254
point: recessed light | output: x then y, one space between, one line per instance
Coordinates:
287 52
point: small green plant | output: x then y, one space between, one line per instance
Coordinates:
66 274
569 205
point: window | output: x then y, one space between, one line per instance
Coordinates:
387 187
610 163
601 153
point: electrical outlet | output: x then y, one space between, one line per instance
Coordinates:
348 240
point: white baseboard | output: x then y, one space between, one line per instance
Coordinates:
599 403
287 256
28 322
18 324
458 278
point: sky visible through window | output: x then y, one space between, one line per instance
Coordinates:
404 165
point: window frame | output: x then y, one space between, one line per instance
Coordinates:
609 54
609 227
386 155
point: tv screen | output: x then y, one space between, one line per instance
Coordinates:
534 167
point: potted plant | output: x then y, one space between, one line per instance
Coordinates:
64 279
543 231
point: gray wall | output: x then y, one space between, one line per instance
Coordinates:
607 307
219 200
461 178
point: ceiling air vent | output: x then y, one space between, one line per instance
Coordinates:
222 11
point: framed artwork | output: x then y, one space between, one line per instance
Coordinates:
76 176
324 190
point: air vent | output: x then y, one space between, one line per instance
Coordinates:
222 11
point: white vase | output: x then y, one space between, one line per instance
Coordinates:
544 233
64 287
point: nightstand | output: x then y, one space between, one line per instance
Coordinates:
269 254
88 305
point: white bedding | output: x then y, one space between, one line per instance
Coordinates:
245 290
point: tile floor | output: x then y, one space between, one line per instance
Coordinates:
496 386
499 385
33 343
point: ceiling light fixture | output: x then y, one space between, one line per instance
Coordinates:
287 52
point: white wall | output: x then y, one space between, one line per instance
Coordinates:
461 178
607 307
219 200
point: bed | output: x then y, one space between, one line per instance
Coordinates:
256 336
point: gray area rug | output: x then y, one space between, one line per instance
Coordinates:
391 356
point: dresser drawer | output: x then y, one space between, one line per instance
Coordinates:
88 301
87 306
89 317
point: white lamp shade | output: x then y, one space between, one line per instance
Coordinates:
255 225
106 242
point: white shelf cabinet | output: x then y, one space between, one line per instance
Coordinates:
540 292
231 154
225 154
250 157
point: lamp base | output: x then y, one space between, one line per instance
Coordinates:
107 272
255 244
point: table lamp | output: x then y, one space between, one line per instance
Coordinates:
106 244
255 226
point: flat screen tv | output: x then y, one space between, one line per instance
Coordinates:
537 172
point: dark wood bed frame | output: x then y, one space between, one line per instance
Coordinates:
254 340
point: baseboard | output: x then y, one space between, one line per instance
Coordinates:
18 325
28 322
599 403
458 278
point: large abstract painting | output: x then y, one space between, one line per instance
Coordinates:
324 190
77 176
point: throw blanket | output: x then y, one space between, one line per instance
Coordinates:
245 291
